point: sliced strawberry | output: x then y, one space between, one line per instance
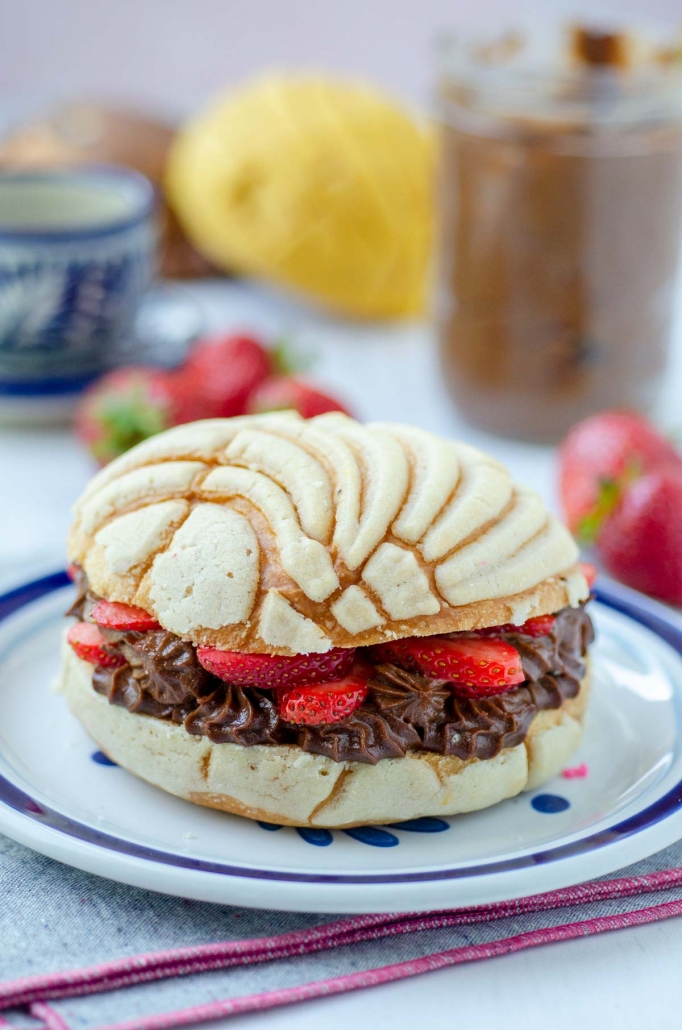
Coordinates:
269 672
114 615
322 703
589 571
475 667
89 643
539 626
72 571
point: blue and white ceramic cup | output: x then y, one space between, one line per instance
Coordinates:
77 251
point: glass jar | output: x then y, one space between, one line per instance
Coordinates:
560 231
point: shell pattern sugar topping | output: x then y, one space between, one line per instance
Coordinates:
273 533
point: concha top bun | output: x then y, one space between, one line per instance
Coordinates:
269 533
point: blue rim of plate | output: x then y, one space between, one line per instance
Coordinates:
642 610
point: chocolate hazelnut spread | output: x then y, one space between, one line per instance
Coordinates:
403 711
561 220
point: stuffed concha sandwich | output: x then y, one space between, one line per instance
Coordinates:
324 623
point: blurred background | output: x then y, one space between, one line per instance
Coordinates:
172 55
465 216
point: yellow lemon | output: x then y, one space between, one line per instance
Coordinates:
318 185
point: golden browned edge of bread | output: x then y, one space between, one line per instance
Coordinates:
547 597
283 784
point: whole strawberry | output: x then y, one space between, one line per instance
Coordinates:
225 371
641 542
599 458
123 408
283 392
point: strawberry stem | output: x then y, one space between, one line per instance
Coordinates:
607 499
610 494
286 360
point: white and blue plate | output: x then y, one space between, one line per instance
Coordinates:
64 798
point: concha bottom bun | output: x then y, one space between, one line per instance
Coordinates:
285 785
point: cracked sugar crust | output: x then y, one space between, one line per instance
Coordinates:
270 533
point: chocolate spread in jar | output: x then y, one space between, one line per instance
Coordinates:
403 711
561 218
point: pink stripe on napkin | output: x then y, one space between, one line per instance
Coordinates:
51 1019
138 969
399 971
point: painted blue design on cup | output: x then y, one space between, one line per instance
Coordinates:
101 759
320 838
269 826
550 804
72 276
373 836
427 824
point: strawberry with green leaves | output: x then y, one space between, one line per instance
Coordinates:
599 459
641 541
123 408
621 488
222 376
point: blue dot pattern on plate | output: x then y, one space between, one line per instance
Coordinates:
320 838
550 803
427 824
373 836
101 758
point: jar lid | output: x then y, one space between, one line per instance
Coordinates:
591 75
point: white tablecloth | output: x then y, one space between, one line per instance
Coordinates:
629 978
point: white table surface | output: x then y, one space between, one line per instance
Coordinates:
630 977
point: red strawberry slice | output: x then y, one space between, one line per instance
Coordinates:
322 703
269 672
538 626
475 667
114 615
89 643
